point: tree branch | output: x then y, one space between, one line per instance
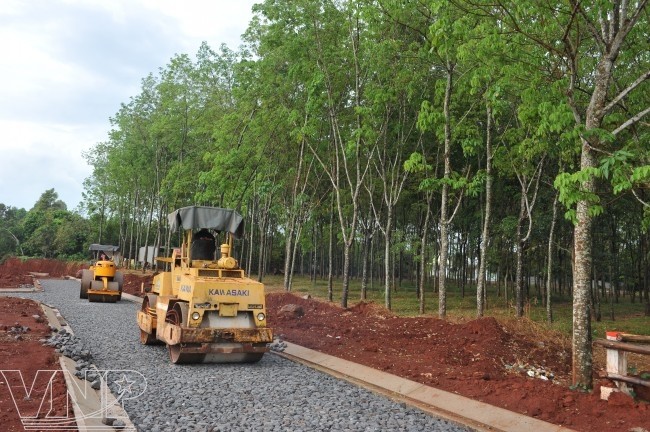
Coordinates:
645 203
600 38
627 25
631 121
625 92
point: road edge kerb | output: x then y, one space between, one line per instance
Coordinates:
395 396
94 404
453 407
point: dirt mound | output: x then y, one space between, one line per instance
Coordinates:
370 310
15 280
133 283
516 366
15 269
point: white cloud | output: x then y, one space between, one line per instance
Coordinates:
39 156
68 64
30 71
207 20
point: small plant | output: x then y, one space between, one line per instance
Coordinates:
579 387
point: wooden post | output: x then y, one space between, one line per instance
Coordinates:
616 364
627 337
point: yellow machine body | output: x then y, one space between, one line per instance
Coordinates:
101 282
104 268
205 310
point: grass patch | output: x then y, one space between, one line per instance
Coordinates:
628 317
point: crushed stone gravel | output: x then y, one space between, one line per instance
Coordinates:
274 394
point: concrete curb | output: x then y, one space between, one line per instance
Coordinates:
19 290
131 298
456 408
87 405
86 402
54 318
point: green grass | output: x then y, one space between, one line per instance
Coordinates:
629 317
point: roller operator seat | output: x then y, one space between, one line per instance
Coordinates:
203 246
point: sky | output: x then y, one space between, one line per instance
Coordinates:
67 65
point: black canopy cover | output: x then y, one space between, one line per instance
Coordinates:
103 248
195 217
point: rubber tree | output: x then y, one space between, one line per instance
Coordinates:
446 34
488 62
485 234
345 156
593 51
391 122
414 20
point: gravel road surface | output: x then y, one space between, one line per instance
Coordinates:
272 395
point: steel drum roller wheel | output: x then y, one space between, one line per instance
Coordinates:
102 298
147 338
178 315
119 278
86 279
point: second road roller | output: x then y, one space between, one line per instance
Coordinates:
101 282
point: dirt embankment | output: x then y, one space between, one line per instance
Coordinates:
483 359
15 272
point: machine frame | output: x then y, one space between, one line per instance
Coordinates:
205 309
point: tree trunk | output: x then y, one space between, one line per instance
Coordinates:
444 222
387 232
346 275
330 274
582 359
249 264
423 254
366 256
263 216
549 261
646 277
485 236
132 229
288 255
293 257
146 237
519 278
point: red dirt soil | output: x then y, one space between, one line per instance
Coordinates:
482 359
133 283
468 358
28 356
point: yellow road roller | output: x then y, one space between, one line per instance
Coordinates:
102 282
202 306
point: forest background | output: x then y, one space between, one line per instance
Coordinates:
457 146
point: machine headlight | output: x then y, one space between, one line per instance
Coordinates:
196 316
261 316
